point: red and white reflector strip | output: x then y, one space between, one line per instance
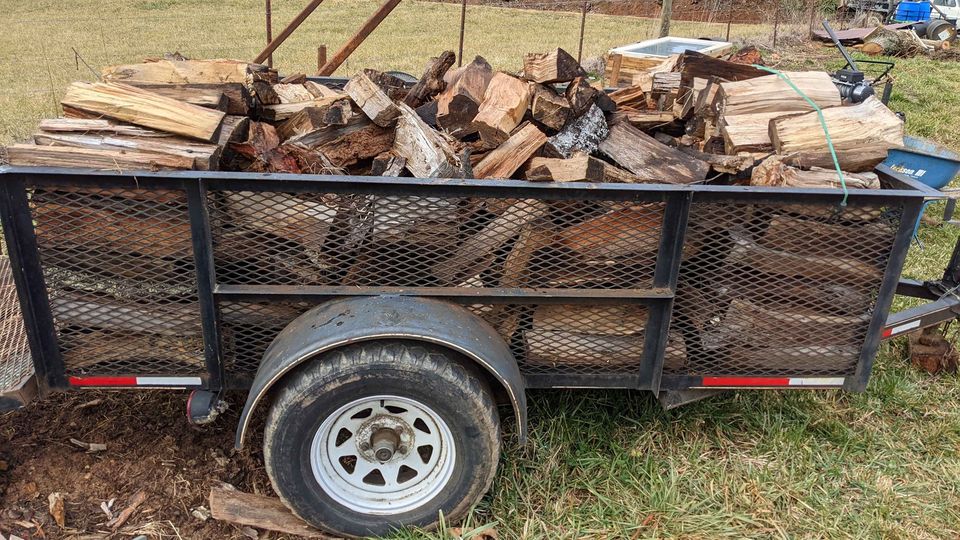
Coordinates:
899 329
772 382
135 381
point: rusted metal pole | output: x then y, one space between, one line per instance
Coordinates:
321 57
776 23
269 15
666 12
372 23
463 26
583 27
294 24
813 16
729 21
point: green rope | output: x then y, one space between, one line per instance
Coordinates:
823 123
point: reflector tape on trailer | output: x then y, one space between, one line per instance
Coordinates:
771 381
887 332
135 381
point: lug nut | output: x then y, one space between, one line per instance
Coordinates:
364 445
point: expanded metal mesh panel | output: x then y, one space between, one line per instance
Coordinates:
573 338
270 238
783 290
247 328
16 364
119 269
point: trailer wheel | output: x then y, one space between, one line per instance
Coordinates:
382 435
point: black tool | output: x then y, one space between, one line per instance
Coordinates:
853 85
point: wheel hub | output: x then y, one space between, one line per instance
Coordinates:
383 455
385 437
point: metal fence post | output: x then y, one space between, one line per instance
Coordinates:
583 26
463 24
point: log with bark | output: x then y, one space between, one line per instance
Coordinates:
458 105
428 152
773 171
650 160
374 102
431 82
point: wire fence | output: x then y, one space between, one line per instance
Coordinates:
43 49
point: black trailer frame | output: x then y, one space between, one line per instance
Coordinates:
42 333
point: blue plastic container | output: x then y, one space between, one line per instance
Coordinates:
912 11
925 161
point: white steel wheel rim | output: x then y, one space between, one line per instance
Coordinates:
355 478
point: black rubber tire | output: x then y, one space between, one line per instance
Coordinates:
425 373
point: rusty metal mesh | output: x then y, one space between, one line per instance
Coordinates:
267 238
783 290
16 364
247 328
119 269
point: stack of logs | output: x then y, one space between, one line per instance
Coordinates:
694 119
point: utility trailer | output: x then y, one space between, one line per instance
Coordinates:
380 321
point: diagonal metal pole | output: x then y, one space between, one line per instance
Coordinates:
583 26
294 24
372 23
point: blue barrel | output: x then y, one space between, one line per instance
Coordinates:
912 11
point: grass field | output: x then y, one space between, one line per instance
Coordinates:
882 464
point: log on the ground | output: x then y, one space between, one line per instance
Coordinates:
33 155
505 101
144 108
431 82
258 511
773 94
549 108
650 160
373 101
553 67
579 168
205 156
504 160
476 253
861 134
427 152
774 172
582 135
623 232
458 105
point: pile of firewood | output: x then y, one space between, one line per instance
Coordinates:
693 119
684 121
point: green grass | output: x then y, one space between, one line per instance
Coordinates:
882 464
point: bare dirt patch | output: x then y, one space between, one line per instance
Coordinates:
150 448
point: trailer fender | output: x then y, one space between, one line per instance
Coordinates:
342 322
